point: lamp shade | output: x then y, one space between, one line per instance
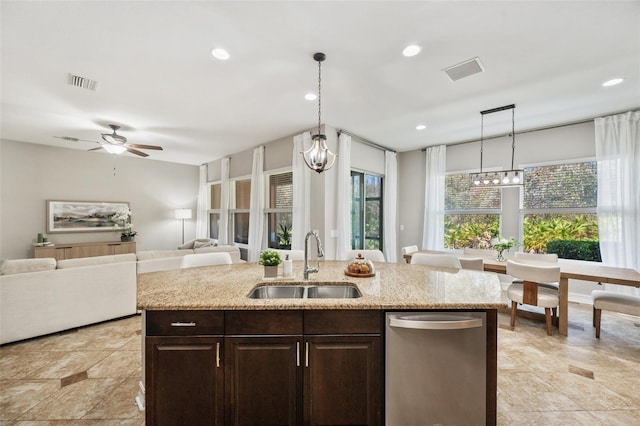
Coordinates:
183 213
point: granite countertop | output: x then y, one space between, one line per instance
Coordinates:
395 286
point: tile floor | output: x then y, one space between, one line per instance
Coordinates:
90 376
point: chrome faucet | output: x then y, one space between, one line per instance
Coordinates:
308 270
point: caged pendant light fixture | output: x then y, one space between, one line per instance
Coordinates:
502 179
318 156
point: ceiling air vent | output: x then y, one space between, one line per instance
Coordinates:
464 69
85 83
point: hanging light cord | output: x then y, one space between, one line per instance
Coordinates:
481 139
319 94
513 135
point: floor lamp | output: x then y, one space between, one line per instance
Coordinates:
183 214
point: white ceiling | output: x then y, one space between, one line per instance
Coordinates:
157 78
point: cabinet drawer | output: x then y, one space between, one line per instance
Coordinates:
342 322
263 322
184 323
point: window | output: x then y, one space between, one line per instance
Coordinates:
279 210
472 214
366 211
559 204
239 210
214 210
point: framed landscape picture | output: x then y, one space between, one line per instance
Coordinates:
83 216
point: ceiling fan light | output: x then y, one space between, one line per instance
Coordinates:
114 149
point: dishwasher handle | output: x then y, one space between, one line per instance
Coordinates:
434 322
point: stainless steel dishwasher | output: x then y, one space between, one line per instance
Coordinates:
435 368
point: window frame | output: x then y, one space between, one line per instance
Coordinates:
553 210
362 213
474 212
267 194
233 210
211 211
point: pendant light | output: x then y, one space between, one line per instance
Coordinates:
506 178
318 156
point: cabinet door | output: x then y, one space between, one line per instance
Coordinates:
263 381
342 380
184 381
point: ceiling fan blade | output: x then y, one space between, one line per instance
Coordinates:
136 152
95 149
135 145
72 139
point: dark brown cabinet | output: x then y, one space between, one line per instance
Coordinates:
185 386
342 384
264 382
280 368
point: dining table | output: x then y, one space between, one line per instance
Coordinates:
569 269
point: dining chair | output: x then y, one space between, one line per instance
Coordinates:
476 263
409 249
432 259
205 259
524 257
614 302
530 292
372 255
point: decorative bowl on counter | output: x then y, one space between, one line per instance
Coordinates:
360 267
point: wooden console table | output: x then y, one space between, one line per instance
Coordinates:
75 250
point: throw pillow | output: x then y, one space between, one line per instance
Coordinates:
200 244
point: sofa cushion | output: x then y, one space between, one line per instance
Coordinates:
96 260
199 244
159 254
19 266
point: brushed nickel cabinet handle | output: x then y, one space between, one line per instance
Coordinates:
306 354
183 324
297 354
218 354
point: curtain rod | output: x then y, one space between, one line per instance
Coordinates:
365 141
537 129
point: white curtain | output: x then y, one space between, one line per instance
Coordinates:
256 214
390 206
618 156
433 230
301 217
343 201
202 217
223 231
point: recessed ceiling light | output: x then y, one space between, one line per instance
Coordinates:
411 50
612 82
220 53
310 96
421 127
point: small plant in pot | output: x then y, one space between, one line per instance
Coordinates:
270 259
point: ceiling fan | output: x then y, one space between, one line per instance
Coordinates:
114 143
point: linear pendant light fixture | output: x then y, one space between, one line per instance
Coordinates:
501 179
319 154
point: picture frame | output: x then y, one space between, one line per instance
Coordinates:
83 216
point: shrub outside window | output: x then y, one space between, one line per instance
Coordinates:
559 210
472 214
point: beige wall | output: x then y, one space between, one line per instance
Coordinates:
30 174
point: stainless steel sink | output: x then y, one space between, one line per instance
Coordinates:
277 292
333 292
340 291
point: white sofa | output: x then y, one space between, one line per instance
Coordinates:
42 296
165 260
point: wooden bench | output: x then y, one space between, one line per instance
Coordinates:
612 301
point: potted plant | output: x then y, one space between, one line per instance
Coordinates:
128 234
270 259
124 216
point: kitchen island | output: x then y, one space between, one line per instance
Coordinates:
215 356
